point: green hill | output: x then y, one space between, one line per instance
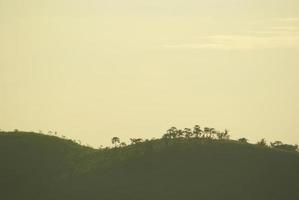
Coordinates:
40 167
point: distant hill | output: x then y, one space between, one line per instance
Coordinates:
40 167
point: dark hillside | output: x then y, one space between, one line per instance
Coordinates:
30 164
41 167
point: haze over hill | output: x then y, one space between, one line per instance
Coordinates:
35 166
121 71
92 68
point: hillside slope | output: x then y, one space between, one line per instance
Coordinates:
34 166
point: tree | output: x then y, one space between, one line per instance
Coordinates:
276 143
206 132
287 147
135 140
180 133
243 140
166 136
209 132
223 135
171 133
262 142
188 132
115 141
123 144
197 131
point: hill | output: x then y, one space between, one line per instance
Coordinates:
41 167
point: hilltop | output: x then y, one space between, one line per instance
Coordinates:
41 167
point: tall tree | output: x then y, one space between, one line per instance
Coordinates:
212 133
135 140
243 140
171 133
223 135
276 143
180 133
188 132
123 144
197 131
262 142
115 141
206 132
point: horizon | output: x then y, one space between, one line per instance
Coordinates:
98 69
169 135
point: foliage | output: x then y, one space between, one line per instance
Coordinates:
208 133
115 141
193 166
287 147
135 140
243 140
262 142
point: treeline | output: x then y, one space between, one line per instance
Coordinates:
205 133
196 132
173 133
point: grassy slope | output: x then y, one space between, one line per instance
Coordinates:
41 167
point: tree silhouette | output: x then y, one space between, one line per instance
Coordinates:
212 133
135 140
123 144
243 140
197 131
262 142
276 143
223 135
209 132
206 132
172 133
180 133
188 132
115 141
280 145
166 136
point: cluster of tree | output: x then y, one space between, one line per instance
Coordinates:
196 132
117 143
280 145
205 133
276 144
173 132
243 140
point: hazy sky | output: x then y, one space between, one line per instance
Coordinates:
94 69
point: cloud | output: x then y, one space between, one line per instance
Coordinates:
285 28
280 35
289 19
239 42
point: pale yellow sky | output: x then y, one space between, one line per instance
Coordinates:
96 69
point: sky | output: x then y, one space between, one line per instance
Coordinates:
95 69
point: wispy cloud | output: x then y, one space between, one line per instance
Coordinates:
280 35
239 42
289 19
